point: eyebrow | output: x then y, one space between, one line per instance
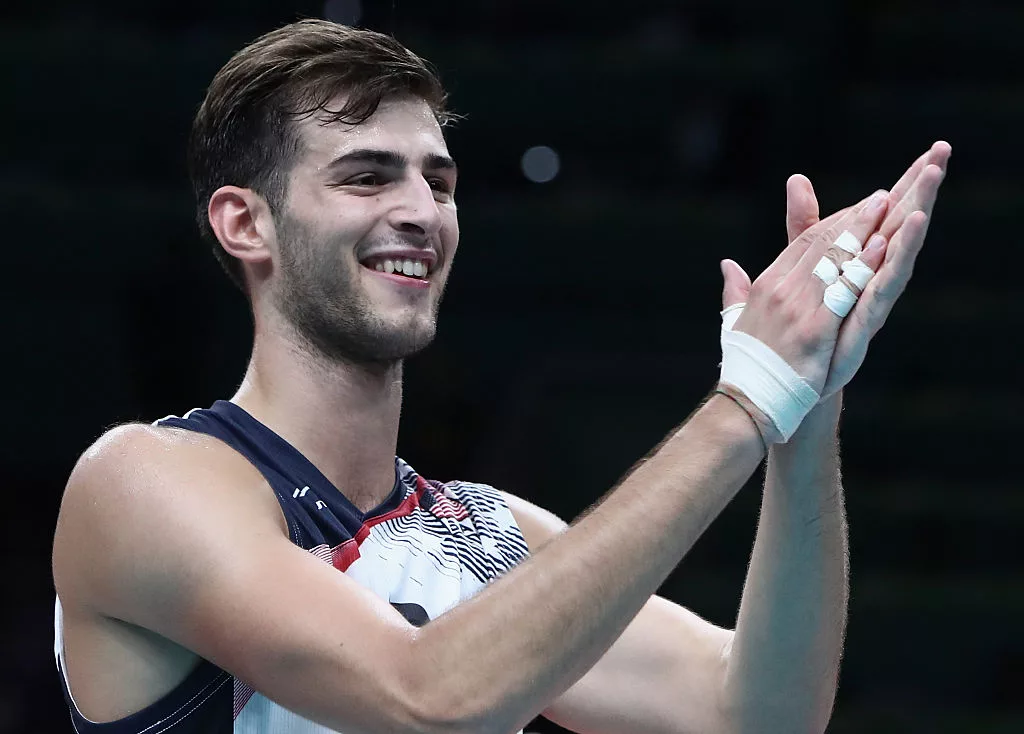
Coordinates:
393 159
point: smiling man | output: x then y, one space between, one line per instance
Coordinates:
269 565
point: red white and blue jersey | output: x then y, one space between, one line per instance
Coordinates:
424 549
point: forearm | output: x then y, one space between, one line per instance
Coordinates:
525 639
784 660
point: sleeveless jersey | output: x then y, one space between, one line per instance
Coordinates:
424 549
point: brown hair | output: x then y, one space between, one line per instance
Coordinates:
243 134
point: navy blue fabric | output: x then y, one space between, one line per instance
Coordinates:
289 473
202 703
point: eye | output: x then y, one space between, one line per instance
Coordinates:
366 179
439 184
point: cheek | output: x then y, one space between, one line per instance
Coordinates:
450 233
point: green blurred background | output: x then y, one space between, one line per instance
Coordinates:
581 322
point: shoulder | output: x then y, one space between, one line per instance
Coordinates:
135 448
141 490
537 524
136 461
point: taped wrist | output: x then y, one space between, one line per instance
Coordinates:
765 378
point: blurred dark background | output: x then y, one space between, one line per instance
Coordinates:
582 319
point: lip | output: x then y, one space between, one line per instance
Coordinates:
401 280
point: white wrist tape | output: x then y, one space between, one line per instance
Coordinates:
730 315
764 377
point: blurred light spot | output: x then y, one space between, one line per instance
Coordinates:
348 12
540 164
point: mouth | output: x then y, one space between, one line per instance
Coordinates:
413 271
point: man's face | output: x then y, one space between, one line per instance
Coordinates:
368 233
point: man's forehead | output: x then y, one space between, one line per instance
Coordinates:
406 126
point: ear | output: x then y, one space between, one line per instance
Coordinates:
241 220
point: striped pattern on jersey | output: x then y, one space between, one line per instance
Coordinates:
424 549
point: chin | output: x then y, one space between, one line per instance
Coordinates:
414 338
387 344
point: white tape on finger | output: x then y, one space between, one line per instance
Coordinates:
848 241
826 271
858 273
767 380
839 299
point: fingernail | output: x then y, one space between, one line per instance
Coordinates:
875 243
876 200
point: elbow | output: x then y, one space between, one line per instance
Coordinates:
447 712
441 716
454 707
441 700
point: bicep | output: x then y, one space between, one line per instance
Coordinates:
208 568
663 675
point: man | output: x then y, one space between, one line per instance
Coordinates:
268 565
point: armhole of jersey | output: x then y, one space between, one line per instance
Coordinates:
182 709
58 653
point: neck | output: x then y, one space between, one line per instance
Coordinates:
342 417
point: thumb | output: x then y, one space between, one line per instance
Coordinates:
801 206
737 283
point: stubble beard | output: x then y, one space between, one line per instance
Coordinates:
319 294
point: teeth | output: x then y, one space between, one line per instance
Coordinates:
408 268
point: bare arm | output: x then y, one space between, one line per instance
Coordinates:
784 659
665 674
170 536
152 534
784 662
671 671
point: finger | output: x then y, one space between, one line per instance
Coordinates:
893 275
844 289
861 223
920 197
789 257
736 286
874 252
937 155
801 206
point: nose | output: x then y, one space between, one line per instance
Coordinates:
416 211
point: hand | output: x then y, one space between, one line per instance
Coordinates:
785 309
911 202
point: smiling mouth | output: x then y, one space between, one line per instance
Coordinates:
404 268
